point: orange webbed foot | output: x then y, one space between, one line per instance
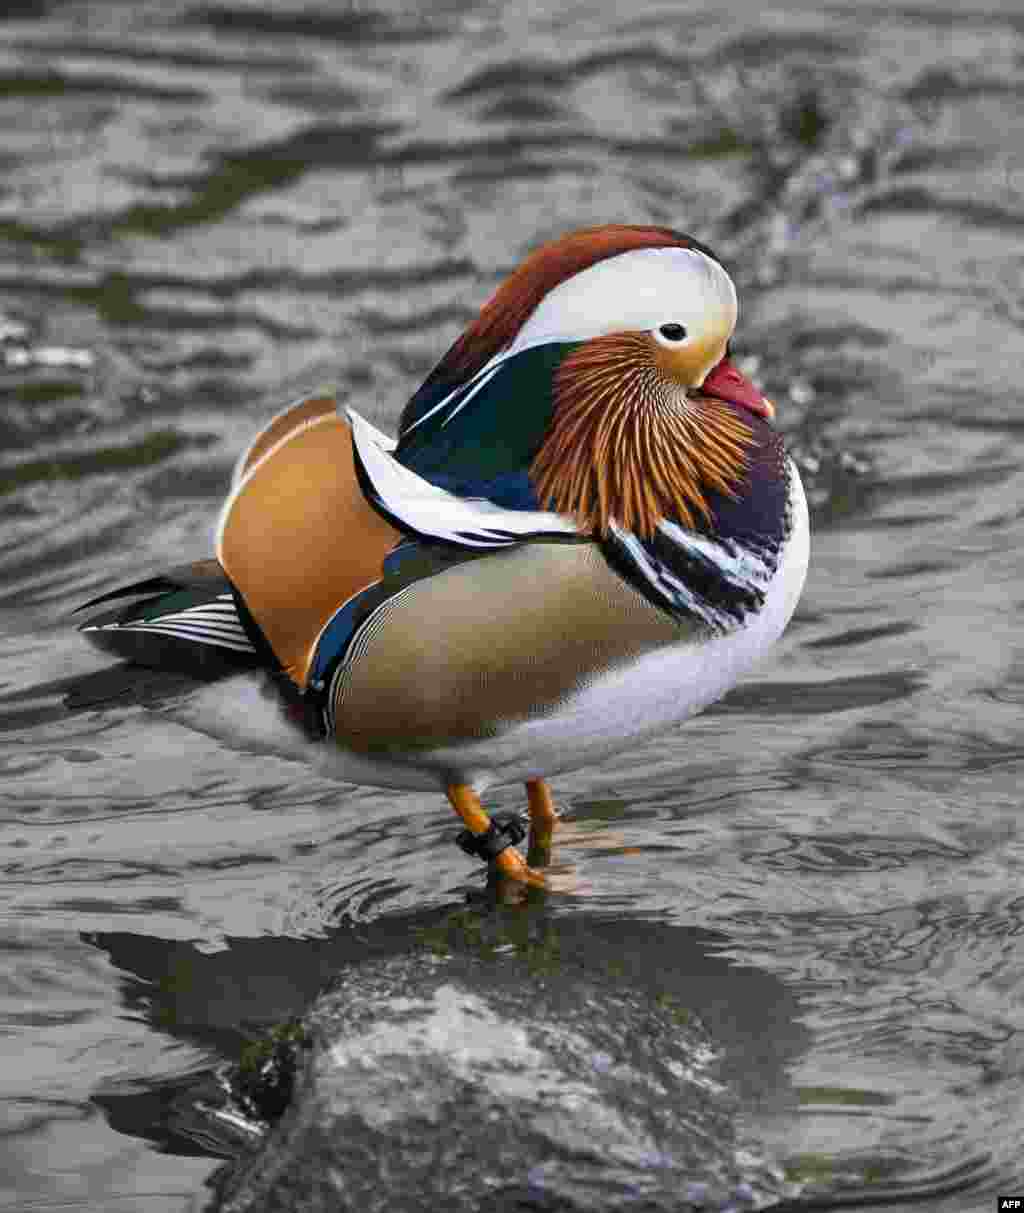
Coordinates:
493 845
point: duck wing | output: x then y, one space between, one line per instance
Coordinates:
420 507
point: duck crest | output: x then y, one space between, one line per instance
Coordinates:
504 314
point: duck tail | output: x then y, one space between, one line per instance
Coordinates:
190 620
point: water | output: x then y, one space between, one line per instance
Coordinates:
206 210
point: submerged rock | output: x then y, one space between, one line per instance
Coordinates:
483 1072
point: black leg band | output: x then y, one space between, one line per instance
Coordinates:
505 830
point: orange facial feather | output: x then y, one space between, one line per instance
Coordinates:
627 444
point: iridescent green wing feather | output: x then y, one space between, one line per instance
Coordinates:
480 440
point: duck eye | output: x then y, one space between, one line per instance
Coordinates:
673 332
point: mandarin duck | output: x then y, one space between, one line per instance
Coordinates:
587 530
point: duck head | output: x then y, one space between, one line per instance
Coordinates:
649 414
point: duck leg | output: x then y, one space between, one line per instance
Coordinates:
542 822
493 847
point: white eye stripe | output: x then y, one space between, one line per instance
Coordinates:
639 290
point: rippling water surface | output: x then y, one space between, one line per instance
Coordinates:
207 209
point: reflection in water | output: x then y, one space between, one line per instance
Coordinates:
528 964
206 210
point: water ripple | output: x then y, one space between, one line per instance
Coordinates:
208 209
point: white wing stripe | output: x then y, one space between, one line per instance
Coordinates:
481 383
192 629
437 407
237 642
207 611
432 511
